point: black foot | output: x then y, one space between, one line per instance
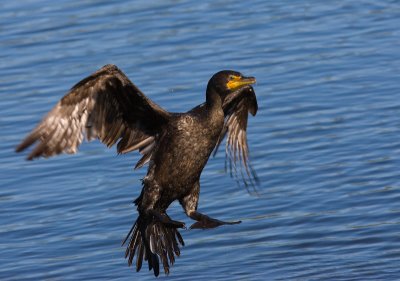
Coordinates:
165 219
207 222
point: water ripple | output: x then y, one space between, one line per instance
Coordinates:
324 143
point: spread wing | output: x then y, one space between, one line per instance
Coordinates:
106 106
236 108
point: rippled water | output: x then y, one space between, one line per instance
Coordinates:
325 141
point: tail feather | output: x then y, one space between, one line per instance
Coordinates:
152 240
139 257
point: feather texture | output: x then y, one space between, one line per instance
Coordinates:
105 106
152 240
237 106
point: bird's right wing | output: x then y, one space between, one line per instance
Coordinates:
105 105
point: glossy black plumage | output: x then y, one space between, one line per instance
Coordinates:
107 106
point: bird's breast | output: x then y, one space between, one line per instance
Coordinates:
185 149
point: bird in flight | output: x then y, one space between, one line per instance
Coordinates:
108 106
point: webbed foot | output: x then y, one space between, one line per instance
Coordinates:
206 222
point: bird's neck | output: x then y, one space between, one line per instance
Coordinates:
213 99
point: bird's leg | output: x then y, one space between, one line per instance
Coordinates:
165 219
189 204
205 222
146 203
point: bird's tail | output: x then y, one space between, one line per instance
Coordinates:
150 240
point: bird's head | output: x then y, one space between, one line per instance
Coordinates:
228 81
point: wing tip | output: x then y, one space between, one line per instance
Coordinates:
19 148
25 144
30 158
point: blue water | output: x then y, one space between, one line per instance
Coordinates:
325 142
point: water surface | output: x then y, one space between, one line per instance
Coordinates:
325 142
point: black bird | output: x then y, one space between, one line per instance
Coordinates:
108 106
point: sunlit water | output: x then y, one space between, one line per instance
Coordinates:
325 142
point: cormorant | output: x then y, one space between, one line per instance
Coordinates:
108 106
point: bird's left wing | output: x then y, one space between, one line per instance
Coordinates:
236 108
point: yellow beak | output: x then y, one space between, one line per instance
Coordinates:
238 82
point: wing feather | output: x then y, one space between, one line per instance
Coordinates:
236 108
105 105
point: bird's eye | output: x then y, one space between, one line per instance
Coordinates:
231 77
